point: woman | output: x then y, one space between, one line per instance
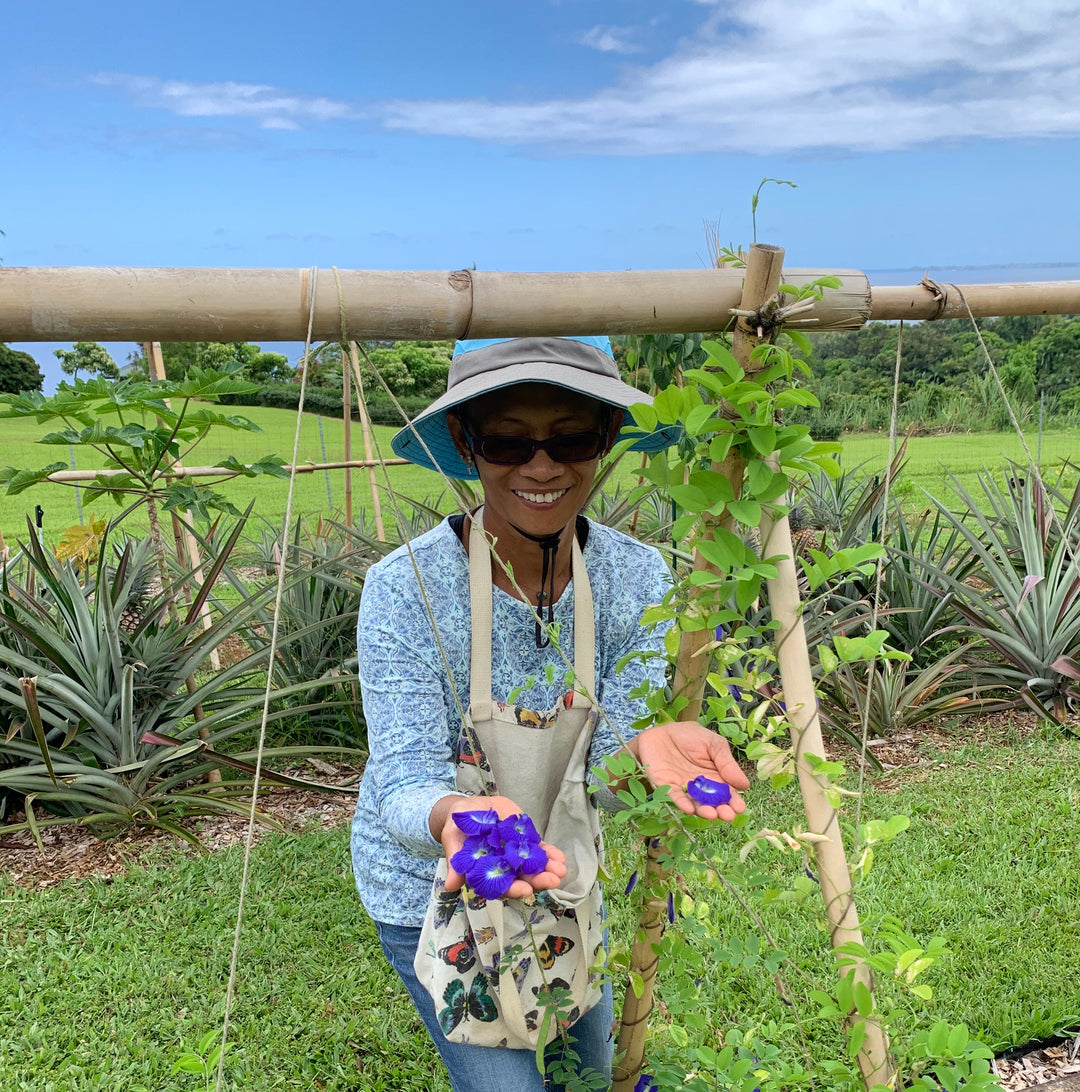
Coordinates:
529 418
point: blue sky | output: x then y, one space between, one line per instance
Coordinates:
548 135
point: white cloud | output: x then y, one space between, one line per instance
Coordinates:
609 39
269 106
786 75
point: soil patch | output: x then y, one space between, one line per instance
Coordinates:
73 852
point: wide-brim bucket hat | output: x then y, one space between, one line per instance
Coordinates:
582 364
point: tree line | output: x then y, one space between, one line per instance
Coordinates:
1038 357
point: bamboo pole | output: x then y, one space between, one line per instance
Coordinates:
365 428
793 658
70 476
187 547
763 273
133 304
346 424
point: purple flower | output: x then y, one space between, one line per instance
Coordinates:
471 854
706 791
645 1083
477 822
524 856
491 879
631 883
520 826
671 907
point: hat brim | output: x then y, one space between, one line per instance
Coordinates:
427 441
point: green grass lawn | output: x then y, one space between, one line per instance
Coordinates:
933 460
105 981
930 460
18 448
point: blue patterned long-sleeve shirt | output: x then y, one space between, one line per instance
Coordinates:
411 701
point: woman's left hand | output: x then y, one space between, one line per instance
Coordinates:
674 754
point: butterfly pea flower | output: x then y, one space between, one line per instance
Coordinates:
632 882
497 851
481 823
671 907
520 826
474 852
706 791
491 878
525 856
645 1083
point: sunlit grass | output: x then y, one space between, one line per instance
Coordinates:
105 980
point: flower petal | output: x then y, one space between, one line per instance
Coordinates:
492 879
706 791
477 822
524 857
475 849
520 826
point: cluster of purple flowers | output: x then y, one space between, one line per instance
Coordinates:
497 851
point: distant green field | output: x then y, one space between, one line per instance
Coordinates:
930 460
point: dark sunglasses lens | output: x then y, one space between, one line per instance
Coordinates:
507 450
576 447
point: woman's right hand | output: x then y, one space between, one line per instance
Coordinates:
452 837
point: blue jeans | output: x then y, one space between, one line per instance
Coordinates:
495 1069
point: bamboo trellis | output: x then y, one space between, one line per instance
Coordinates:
43 304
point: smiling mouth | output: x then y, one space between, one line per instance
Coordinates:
541 498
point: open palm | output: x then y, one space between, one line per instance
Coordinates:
674 754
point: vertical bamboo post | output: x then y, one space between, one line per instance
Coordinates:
800 698
346 421
185 540
187 546
365 428
793 658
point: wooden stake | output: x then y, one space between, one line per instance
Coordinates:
761 282
793 658
346 398
365 428
187 546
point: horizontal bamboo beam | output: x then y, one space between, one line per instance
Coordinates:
938 300
75 476
115 304
109 304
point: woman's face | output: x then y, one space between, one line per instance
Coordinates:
541 496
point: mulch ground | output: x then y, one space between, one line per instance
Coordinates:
73 852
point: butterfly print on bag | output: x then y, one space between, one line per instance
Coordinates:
530 718
519 971
460 956
551 949
471 755
446 906
475 1002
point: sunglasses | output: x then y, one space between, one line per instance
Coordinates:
570 447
